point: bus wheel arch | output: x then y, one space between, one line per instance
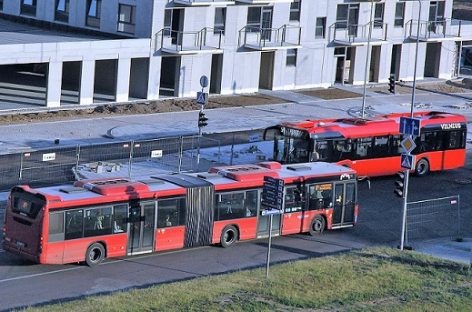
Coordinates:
229 235
317 225
422 167
95 254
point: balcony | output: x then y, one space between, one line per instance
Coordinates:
204 2
357 35
261 39
206 40
434 31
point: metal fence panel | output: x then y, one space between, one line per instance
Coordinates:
10 166
434 218
50 166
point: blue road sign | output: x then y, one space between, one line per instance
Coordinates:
202 98
407 161
410 126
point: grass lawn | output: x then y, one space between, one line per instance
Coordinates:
367 280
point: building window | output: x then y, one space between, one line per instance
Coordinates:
28 7
62 11
126 18
1 5
379 15
220 20
93 13
399 14
436 11
254 18
347 15
295 10
320 30
291 57
167 22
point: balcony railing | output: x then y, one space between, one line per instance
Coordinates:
434 30
258 38
204 2
357 34
180 42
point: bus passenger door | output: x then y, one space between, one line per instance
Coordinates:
293 214
344 204
141 228
263 224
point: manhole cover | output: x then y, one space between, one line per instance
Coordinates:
463 181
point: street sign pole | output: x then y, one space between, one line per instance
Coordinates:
269 244
405 204
203 84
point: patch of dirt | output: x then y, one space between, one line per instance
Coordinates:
331 94
146 107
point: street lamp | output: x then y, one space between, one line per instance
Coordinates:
413 95
367 58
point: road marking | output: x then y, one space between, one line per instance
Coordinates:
37 275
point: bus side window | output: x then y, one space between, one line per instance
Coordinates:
56 227
395 146
293 200
170 212
97 221
250 203
231 206
320 196
120 213
74 224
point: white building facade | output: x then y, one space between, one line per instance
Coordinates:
162 47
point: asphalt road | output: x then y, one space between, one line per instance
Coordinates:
23 283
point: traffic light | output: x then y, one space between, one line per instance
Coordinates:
400 184
202 120
391 84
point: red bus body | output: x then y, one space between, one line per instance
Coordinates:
56 225
441 142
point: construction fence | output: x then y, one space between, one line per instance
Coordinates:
434 218
63 164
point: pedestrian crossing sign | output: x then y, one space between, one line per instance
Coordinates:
407 161
202 98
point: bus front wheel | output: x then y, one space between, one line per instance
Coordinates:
95 254
317 225
229 236
422 167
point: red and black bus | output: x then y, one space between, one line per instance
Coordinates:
372 147
91 220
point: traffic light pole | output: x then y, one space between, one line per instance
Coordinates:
199 136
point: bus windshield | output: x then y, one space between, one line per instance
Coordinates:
292 146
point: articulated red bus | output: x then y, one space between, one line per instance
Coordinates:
96 219
372 147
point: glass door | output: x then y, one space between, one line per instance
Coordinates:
344 203
141 228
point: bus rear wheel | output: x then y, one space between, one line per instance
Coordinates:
317 225
422 167
229 236
95 254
